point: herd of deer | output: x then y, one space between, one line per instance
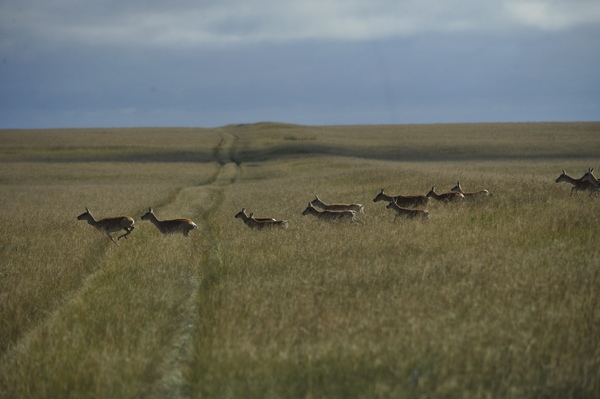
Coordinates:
412 206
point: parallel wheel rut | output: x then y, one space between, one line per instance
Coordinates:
173 382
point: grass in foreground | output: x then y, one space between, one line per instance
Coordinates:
497 297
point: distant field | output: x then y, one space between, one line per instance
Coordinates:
497 297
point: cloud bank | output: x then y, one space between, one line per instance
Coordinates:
74 63
191 23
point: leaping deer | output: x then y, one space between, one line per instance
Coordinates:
109 225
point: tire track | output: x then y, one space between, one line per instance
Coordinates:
173 383
229 170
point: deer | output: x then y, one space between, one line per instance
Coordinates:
452 196
402 200
337 207
110 225
471 194
242 215
578 184
349 215
260 223
409 213
589 177
174 226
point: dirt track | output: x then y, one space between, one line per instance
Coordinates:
173 383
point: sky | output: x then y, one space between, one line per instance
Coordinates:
207 63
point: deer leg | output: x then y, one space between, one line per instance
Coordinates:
111 237
129 230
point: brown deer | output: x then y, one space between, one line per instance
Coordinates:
409 213
402 200
260 223
110 225
471 194
348 215
579 184
452 196
174 226
337 207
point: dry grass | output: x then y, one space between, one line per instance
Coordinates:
492 298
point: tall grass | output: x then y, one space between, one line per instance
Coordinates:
492 298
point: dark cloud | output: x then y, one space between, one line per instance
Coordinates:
106 77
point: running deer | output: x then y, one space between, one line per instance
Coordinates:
174 226
259 223
578 184
349 215
471 194
589 177
409 213
452 196
109 225
262 223
337 207
402 200
242 215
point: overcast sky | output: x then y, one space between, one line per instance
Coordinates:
92 63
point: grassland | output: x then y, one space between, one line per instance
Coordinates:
498 297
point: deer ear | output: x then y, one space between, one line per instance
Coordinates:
564 173
87 210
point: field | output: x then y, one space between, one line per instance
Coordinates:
497 297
